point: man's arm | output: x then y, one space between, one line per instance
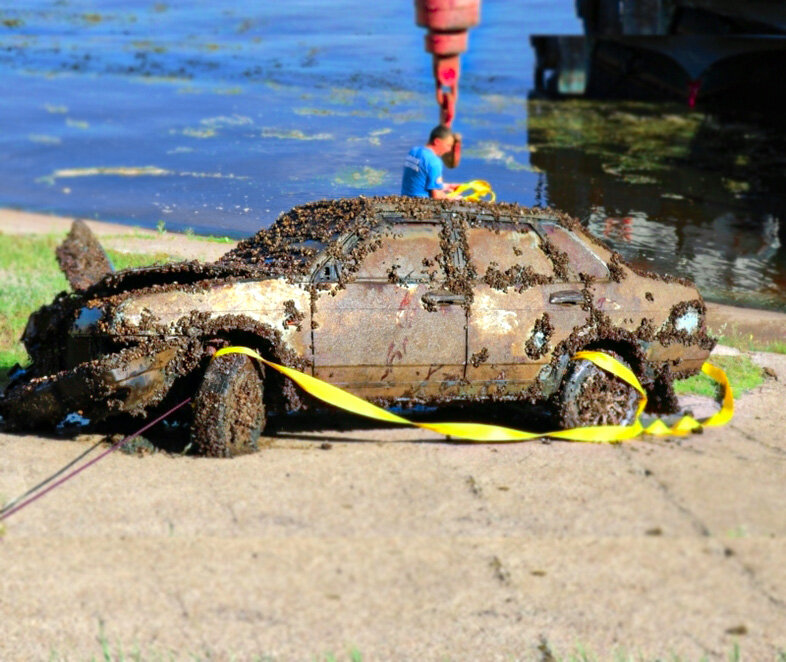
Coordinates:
444 192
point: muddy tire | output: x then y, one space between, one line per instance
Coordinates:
229 410
592 396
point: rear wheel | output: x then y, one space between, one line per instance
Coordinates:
229 410
592 396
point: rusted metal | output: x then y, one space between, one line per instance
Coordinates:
397 300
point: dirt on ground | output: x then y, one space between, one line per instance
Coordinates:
400 545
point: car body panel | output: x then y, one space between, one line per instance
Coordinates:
376 335
500 326
386 329
262 301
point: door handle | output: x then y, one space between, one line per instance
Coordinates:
440 298
571 297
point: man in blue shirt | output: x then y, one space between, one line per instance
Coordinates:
423 166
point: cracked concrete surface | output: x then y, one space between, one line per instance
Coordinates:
408 549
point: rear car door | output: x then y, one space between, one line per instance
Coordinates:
517 316
392 331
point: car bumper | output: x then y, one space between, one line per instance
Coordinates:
128 381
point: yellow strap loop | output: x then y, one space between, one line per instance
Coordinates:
478 188
480 432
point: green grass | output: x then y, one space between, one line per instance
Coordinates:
115 652
747 342
139 233
29 278
742 372
128 260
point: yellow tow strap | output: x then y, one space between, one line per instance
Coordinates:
475 190
495 433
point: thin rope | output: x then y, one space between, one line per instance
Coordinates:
48 480
7 512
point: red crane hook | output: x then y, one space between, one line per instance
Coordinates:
447 22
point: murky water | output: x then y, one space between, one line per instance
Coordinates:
216 117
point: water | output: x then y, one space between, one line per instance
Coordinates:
216 117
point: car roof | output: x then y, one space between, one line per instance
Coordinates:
285 248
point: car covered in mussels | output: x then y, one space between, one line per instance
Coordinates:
399 301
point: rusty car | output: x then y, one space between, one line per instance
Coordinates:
399 301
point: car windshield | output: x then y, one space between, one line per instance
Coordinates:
290 246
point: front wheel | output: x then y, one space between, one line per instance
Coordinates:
591 396
229 410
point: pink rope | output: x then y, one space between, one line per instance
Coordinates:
69 476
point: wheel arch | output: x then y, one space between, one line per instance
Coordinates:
621 342
228 330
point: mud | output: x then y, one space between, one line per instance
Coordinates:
670 334
520 277
601 334
287 247
616 272
41 401
453 241
81 257
239 330
229 412
594 397
480 357
537 344
292 316
558 258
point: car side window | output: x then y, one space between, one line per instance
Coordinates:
406 253
504 246
581 259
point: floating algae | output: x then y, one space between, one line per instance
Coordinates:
372 138
77 124
199 133
294 134
630 138
43 139
132 171
492 152
365 177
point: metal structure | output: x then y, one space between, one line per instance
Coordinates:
696 51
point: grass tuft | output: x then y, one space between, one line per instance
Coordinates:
742 372
750 344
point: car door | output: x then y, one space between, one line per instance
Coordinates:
518 314
392 331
